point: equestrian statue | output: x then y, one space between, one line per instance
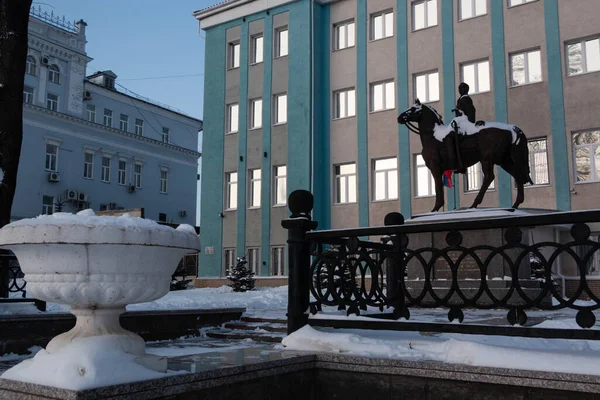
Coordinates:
465 143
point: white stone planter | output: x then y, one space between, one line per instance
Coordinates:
98 265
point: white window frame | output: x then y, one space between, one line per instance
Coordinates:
526 70
426 23
344 180
592 148
387 26
47 205
258 52
52 157
54 74
233 118
90 111
166 135
430 181
256 113
124 122
255 187
515 3
344 35
231 190
139 127
137 175
428 75
107 119
278 267
474 86
538 173
228 255
279 185
52 103
474 9
582 43
31 66
28 94
88 165
282 42
122 172
164 181
234 55
254 259
105 171
385 87
473 172
342 106
387 172
280 103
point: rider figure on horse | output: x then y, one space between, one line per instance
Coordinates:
464 106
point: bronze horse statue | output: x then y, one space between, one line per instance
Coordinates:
492 144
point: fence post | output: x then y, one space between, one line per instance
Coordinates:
300 204
395 266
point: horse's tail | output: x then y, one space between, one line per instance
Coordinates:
519 154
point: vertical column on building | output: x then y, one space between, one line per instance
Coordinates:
212 161
322 172
265 212
402 8
242 141
500 93
557 106
362 113
449 82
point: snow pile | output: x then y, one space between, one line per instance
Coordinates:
556 355
466 127
467 214
84 364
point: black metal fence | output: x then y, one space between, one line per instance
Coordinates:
514 263
12 282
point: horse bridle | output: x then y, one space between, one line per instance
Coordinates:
411 127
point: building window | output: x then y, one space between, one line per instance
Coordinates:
162 217
280 109
47 205
228 260
257 49
344 35
232 187
383 96
382 25
583 56
164 180
344 103
424 14
281 45
91 112
234 55
278 261
139 127
137 175
345 183
472 8
27 95
427 86
105 176
31 66
512 3
52 102
255 187
425 184
254 260
474 178
107 117
280 180
122 175
586 156
166 135
88 165
256 113
476 75
526 67
124 122
385 179
538 161
51 157
233 113
54 74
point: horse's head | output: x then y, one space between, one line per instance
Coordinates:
421 114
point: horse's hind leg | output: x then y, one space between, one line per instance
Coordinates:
488 178
519 179
520 196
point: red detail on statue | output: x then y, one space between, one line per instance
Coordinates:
448 178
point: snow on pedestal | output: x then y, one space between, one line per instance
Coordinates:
97 265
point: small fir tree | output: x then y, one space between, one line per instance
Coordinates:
241 277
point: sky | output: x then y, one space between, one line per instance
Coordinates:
143 41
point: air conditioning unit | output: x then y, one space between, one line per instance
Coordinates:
82 196
131 188
87 95
183 213
72 194
112 206
53 177
45 60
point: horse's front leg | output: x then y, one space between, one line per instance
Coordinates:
488 178
439 191
520 196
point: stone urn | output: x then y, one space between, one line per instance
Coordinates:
98 265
